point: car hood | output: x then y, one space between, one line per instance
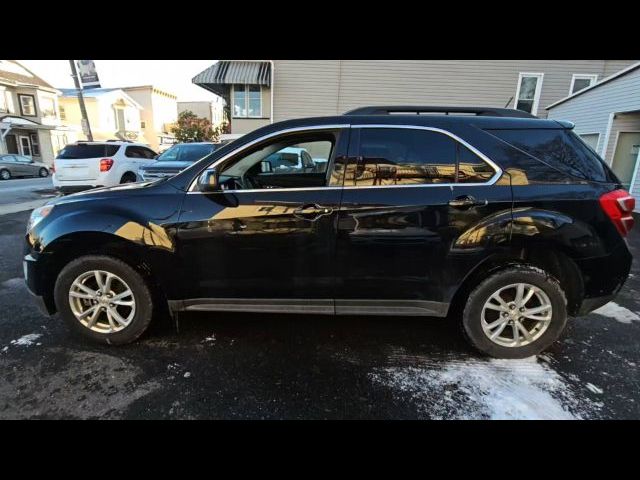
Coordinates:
102 192
166 166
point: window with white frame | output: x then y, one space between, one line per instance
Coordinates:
27 105
581 81
4 107
247 101
528 92
35 146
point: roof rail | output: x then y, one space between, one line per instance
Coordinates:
413 109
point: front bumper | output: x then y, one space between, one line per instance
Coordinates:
33 277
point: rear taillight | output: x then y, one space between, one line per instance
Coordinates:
619 205
106 164
53 168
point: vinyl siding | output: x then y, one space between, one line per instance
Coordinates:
305 88
591 110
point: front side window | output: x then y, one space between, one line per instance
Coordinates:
247 101
580 82
289 162
27 105
528 93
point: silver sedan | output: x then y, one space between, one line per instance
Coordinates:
13 165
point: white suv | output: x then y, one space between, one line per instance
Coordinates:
84 165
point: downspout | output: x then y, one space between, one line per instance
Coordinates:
273 82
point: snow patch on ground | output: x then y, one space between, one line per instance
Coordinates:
617 312
494 389
13 283
27 340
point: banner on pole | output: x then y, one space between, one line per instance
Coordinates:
88 74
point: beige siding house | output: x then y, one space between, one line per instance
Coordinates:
29 115
158 115
262 92
214 110
112 114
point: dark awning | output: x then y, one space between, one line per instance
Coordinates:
217 77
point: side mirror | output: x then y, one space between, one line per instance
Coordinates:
208 181
266 167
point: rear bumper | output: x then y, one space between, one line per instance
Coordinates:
603 277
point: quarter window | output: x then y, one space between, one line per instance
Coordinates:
27 105
247 101
528 92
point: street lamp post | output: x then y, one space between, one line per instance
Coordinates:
85 119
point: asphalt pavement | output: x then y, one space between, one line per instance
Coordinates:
260 366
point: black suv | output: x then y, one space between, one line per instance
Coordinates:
507 222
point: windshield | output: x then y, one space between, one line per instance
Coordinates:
186 153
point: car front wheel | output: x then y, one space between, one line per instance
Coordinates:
515 313
104 299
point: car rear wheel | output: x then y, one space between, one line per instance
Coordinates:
5 174
104 299
43 172
515 313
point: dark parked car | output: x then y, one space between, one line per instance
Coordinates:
175 159
494 218
14 165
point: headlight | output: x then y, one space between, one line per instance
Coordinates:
37 215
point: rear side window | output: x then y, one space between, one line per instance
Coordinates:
560 149
88 151
391 156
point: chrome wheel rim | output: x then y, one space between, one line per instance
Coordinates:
5 175
516 315
102 301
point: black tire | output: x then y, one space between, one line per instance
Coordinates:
128 178
43 172
141 293
471 317
5 174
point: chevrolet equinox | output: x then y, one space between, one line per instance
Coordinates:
494 218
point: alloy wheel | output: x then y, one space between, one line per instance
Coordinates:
102 301
516 315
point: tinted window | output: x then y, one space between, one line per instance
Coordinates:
88 151
186 153
403 157
284 163
560 149
471 168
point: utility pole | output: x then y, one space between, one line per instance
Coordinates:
83 110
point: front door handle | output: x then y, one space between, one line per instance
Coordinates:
466 201
312 211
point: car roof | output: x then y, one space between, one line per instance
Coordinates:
114 142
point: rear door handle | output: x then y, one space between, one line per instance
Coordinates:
312 211
467 201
